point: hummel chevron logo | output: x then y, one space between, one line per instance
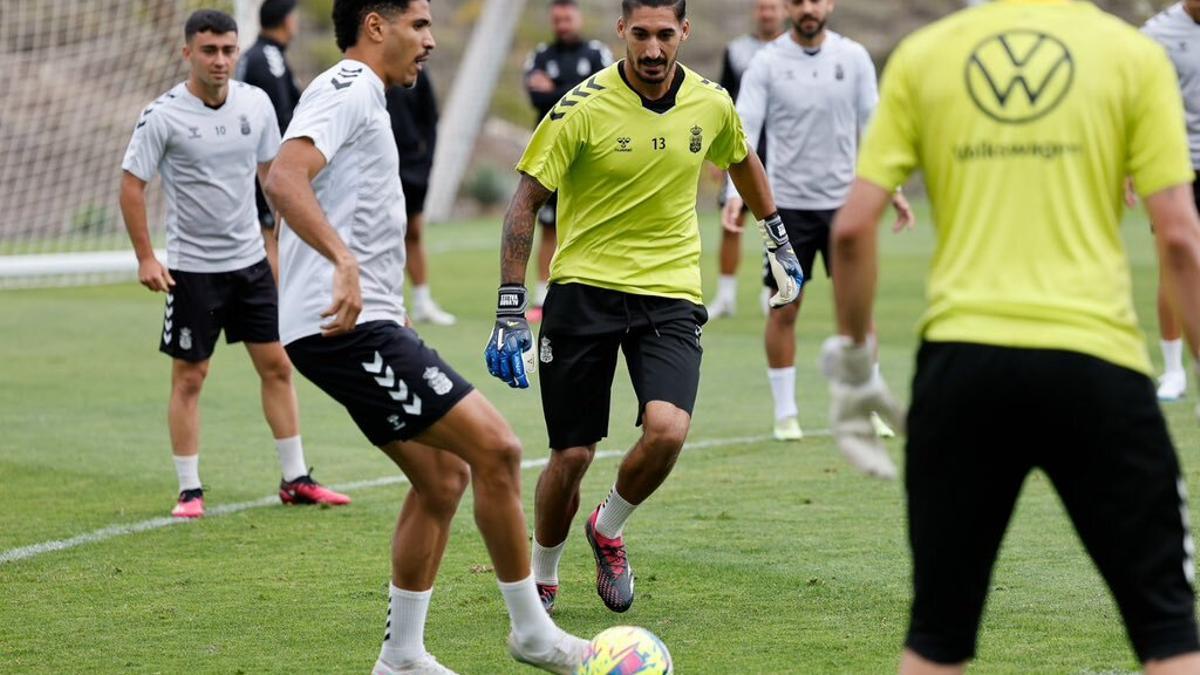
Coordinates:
397 388
339 85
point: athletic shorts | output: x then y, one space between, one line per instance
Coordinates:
392 384
548 214
244 303
583 328
808 231
414 198
982 418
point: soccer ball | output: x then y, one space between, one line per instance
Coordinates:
626 650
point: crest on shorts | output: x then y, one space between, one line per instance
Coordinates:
839 73
697 139
396 422
546 354
185 338
438 382
245 126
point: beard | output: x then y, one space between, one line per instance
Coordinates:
810 34
663 64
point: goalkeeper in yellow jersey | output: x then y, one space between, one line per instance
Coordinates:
624 150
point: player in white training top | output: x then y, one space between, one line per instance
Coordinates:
1177 29
337 187
815 90
208 137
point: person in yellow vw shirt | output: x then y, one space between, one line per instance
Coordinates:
624 150
1026 116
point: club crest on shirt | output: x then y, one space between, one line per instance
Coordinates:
697 139
245 126
546 354
185 338
839 73
438 382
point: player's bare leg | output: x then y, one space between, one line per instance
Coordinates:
664 431
282 411
780 341
438 481
555 504
1172 386
183 421
549 244
912 663
476 432
730 257
424 309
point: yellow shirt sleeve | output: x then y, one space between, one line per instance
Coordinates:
553 148
890 148
1158 155
729 147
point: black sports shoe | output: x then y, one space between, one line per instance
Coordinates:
614 576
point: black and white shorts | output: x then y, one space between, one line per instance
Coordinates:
414 198
808 232
583 328
244 303
392 384
1097 432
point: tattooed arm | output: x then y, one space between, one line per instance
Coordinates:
517 241
509 351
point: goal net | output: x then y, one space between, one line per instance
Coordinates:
79 72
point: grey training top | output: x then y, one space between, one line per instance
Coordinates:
816 106
1175 29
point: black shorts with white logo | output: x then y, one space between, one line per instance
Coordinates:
392 384
1097 432
244 303
808 232
583 328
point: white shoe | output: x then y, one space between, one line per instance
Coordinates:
563 656
882 430
429 312
788 429
426 665
721 307
1172 386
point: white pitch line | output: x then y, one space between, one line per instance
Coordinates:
114 531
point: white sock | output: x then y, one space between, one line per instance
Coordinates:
188 471
404 641
1172 351
727 287
545 562
543 289
291 457
421 295
783 390
613 514
529 620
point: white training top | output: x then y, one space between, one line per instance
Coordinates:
1175 29
816 106
208 159
344 113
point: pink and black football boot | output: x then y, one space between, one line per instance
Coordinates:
305 490
190 504
614 576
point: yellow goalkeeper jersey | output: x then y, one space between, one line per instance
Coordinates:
1026 116
627 171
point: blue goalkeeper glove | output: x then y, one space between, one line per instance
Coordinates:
509 352
785 267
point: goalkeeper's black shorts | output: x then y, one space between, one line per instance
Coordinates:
583 328
982 419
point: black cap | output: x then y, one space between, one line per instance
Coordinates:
273 12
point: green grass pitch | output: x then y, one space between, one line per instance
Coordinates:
756 557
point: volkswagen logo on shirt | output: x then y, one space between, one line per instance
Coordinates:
1020 75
